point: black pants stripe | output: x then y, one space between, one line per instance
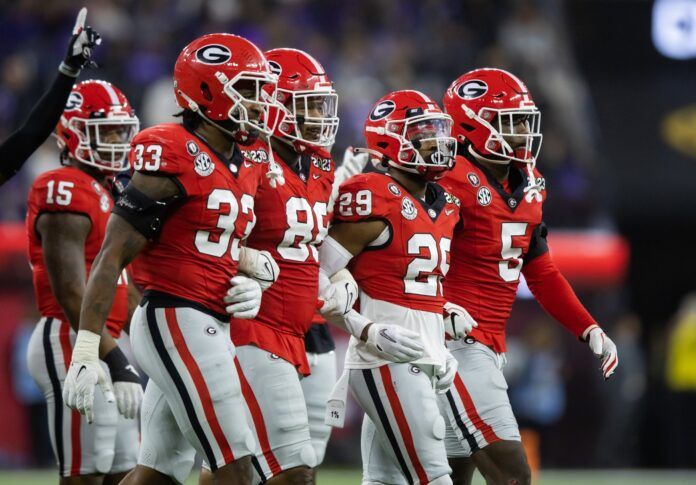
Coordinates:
57 393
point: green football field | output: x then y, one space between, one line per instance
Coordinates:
336 476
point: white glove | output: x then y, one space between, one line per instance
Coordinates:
458 322
353 164
244 297
338 299
127 387
259 265
394 343
445 380
603 347
84 373
129 396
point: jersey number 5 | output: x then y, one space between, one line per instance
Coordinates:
509 253
422 277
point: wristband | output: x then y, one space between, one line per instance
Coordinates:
86 347
119 367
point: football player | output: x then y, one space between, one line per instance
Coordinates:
497 126
67 214
292 220
393 232
188 206
43 117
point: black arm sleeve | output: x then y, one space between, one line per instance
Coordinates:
538 244
41 121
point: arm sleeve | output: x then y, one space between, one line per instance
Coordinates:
38 126
555 295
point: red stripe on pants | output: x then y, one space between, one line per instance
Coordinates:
259 423
404 430
199 382
471 412
75 418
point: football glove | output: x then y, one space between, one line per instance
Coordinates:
338 299
85 372
127 387
458 322
393 343
259 266
603 347
445 380
353 164
83 40
244 297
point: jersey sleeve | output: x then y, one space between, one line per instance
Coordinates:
59 192
362 198
159 151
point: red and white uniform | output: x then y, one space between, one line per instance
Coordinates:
79 448
400 278
181 333
500 230
292 220
69 189
400 274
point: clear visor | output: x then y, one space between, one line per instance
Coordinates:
314 117
430 140
517 133
253 94
105 143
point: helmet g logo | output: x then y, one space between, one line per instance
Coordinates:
383 109
213 54
74 101
472 89
275 67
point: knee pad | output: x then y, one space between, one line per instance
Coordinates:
308 456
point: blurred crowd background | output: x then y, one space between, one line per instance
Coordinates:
619 124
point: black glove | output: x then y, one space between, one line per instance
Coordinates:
80 47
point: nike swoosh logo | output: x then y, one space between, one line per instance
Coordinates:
247 165
351 297
315 176
268 267
448 211
80 371
384 334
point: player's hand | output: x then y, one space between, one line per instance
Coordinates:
84 374
353 164
82 42
445 380
458 322
604 348
243 298
127 387
340 296
259 266
393 343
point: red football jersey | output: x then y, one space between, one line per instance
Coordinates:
69 189
406 267
498 228
197 250
292 220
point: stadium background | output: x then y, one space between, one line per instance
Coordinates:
619 124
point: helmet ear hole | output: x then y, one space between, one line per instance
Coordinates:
383 144
205 89
466 127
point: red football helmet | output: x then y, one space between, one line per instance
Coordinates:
97 126
402 125
485 105
309 98
222 77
